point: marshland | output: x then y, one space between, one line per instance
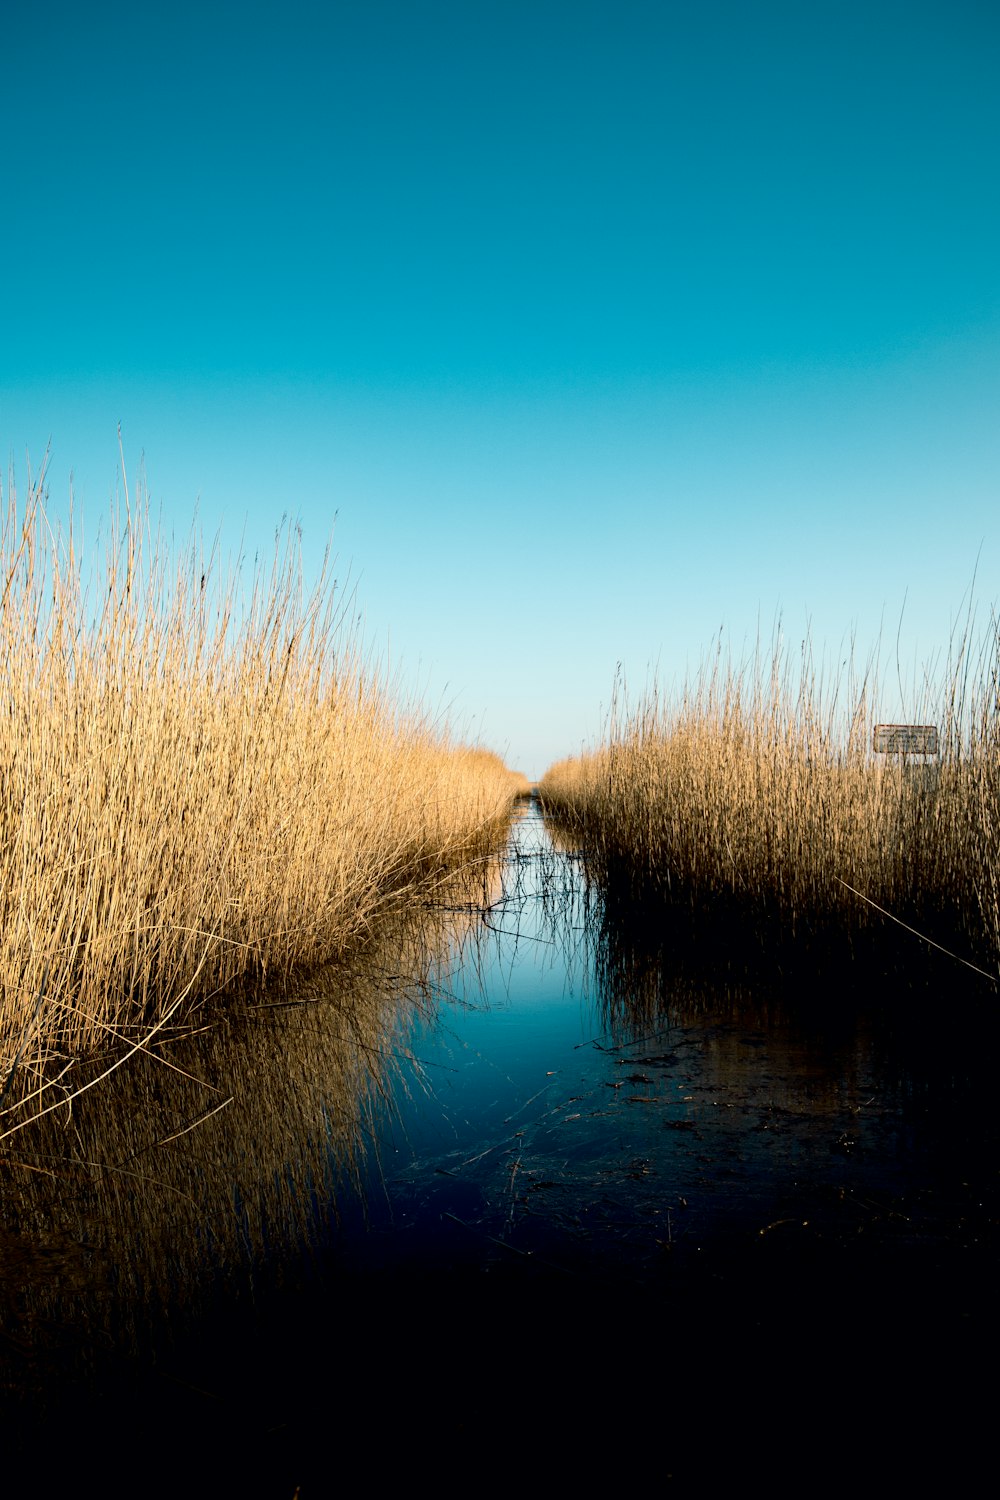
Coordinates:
373 1115
758 803
328 1053
205 786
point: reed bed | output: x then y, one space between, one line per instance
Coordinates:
757 805
276 1108
205 784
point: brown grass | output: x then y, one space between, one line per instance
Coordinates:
758 799
203 784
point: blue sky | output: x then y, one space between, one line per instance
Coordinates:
598 327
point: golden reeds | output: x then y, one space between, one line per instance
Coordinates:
201 784
759 799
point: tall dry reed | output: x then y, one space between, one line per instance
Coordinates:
202 783
758 798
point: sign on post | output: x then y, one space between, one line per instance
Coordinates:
906 739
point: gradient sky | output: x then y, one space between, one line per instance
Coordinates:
599 328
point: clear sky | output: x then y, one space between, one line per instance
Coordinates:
599 327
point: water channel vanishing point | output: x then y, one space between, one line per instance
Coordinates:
560 1184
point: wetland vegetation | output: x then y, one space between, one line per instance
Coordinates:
555 1160
206 786
435 1093
755 809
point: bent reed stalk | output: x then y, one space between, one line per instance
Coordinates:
757 805
202 786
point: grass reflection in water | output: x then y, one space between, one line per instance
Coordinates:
576 1149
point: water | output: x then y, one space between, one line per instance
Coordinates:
599 1133
563 1186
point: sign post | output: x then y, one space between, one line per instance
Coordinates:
910 739
905 739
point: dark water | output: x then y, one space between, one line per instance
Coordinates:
559 1212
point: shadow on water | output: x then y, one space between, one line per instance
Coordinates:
561 1184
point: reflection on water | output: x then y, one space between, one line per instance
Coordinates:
523 1118
211 1165
604 1114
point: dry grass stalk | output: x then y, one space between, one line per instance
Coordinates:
759 796
201 785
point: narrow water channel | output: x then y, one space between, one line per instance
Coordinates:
575 1113
559 1185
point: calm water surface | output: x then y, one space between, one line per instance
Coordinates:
560 1185
555 1116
